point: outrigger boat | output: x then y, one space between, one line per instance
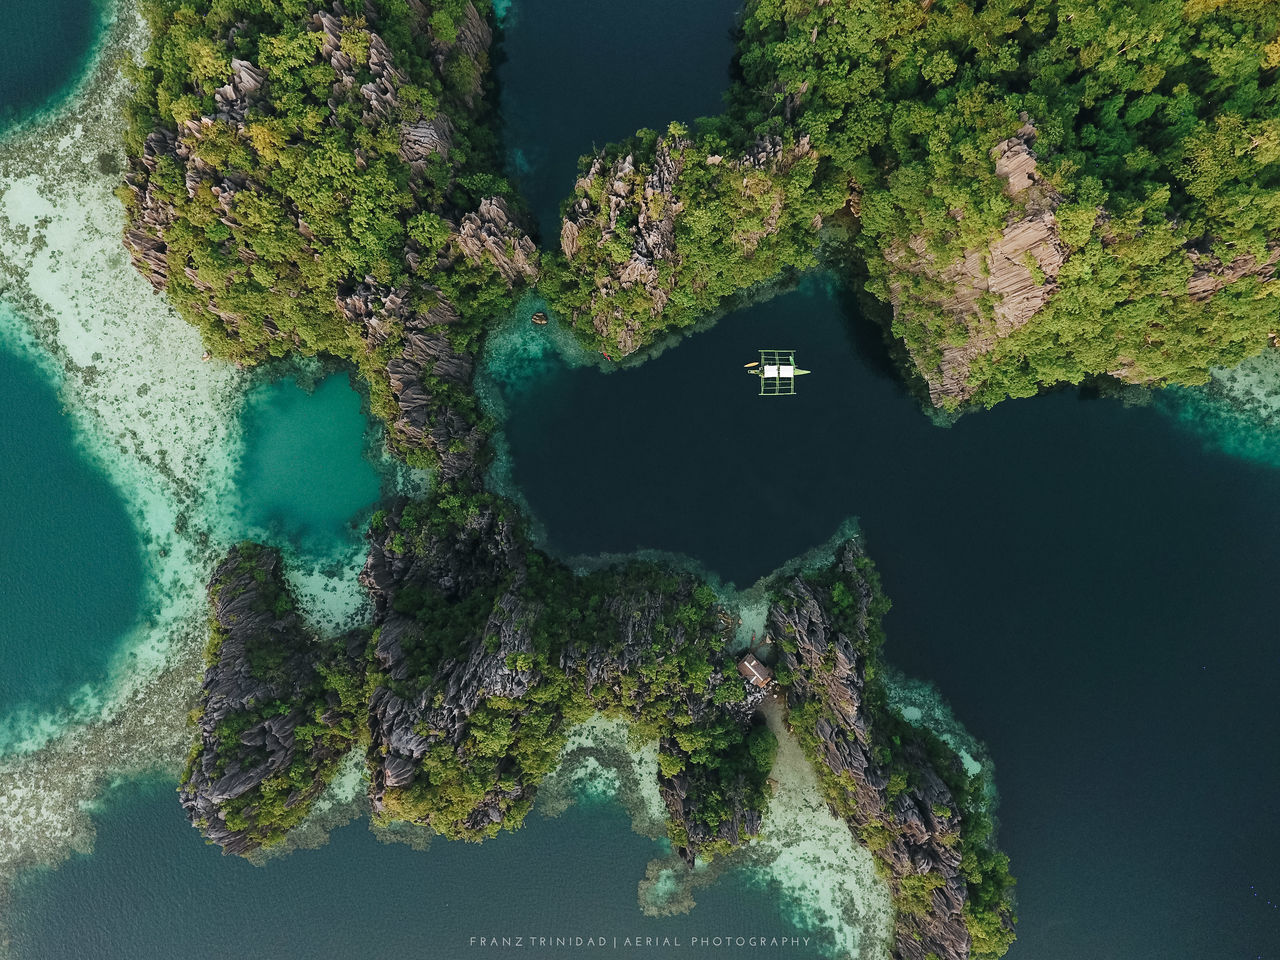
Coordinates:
777 371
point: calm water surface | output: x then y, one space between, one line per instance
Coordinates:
71 566
1094 592
305 478
152 887
154 890
578 74
43 49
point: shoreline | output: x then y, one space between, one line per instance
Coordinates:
805 855
104 17
161 426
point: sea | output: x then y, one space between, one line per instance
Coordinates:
1089 584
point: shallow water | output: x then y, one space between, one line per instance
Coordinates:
578 74
1091 587
302 479
71 568
1093 592
44 48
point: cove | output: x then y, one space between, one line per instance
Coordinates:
1092 590
574 875
71 565
43 50
574 75
306 478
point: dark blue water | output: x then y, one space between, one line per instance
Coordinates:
44 47
1094 592
71 567
153 889
578 74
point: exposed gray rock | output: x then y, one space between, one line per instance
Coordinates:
491 233
422 139
920 825
1017 269
264 657
413 714
424 419
622 205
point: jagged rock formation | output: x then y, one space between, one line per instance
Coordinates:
991 291
1211 275
215 221
234 102
912 822
407 723
469 46
425 720
423 139
426 374
491 234
622 229
688 824
262 755
615 204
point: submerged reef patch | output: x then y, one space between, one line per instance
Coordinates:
484 655
161 424
1237 411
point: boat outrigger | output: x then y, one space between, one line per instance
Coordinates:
777 371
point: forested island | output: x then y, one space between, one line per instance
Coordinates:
1037 192
1040 192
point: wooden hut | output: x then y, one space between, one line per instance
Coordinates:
755 671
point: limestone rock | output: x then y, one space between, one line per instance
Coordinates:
491 233
265 657
919 825
625 206
415 714
1016 270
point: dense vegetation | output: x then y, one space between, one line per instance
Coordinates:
272 195
635 641
272 168
672 226
856 604
1157 139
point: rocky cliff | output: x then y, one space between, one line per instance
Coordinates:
272 719
340 228
960 319
890 783
640 266
486 652
991 291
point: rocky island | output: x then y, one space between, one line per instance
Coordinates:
1026 198
313 179
485 651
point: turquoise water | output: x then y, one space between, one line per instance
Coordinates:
1092 588
306 478
71 565
575 75
44 47
153 889
1222 423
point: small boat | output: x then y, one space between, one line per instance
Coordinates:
539 318
777 371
